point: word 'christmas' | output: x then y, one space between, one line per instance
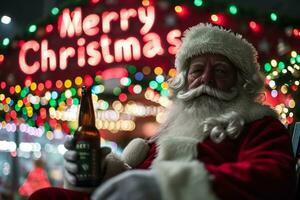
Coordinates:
105 49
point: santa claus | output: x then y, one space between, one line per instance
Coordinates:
218 142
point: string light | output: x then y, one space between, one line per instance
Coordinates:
145 3
49 28
66 94
214 17
32 28
233 9
254 26
5 41
198 3
273 16
1 58
178 9
54 11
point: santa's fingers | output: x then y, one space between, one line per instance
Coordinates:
71 156
71 167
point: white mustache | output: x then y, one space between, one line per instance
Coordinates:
205 89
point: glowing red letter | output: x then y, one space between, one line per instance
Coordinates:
70 23
147 18
107 17
64 54
95 56
173 39
28 69
90 23
124 17
129 48
153 45
105 42
45 55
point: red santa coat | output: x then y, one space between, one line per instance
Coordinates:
259 164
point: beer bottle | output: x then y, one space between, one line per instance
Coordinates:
87 143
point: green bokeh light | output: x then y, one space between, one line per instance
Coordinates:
117 91
32 28
131 69
52 103
54 11
153 84
267 67
273 16
233 9
298 58
198 3
281 66
5 41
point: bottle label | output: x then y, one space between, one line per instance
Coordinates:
87 162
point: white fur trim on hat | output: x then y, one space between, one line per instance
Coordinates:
207 38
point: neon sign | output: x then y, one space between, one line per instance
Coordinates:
102 50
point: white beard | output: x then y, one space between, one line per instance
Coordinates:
191 122
206 114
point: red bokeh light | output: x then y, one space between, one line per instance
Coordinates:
49 28
254 26
122 97
88 80
48 84
3 85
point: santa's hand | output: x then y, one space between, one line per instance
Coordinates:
133 185
71 158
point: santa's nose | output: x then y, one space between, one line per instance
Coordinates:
207 77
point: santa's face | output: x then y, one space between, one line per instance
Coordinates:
213 70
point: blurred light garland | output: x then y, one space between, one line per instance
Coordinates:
36 103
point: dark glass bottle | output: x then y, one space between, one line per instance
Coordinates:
87 140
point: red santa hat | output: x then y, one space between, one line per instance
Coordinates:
207 38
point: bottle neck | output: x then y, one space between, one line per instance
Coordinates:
86 113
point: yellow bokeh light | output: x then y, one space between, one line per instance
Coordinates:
18 89
20 103
172 72
214 18
78 80
6 108
178 9
292 103
33 86
2 97
145 3
284 89
164 85
68 83
7 100
158 70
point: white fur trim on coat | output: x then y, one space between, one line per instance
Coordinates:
180 180
179 173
